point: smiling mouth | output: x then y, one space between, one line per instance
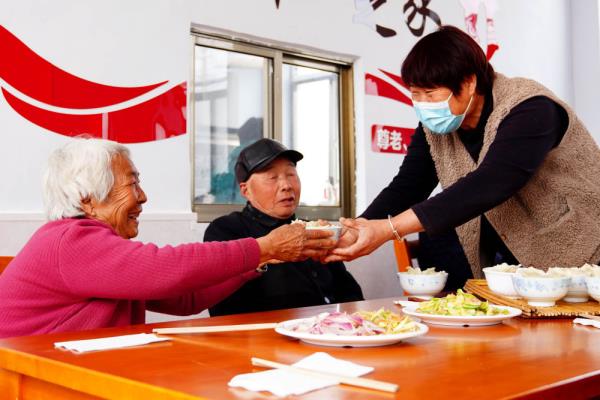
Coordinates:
134 216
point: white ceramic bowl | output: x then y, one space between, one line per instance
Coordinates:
501 282
336 229
578 292
426 285
541 291
593 286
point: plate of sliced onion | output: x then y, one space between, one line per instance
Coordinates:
360 329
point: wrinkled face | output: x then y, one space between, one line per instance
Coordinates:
123 204
274 190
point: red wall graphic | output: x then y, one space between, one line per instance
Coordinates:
376 86
472 11
158 118
388 139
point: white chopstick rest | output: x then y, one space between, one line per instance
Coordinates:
213 329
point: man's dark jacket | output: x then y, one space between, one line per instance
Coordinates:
287 285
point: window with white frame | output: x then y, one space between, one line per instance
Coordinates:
243 92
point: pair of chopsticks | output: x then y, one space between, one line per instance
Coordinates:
346 380
259 362
213 329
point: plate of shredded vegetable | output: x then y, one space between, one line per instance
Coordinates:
460 309
359 329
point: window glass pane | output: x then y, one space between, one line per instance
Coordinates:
229 108
311 126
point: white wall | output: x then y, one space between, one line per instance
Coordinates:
140 42
585 50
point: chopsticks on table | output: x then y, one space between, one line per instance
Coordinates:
211 329
346 380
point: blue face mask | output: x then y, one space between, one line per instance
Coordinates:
437 116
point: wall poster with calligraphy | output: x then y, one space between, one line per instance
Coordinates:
416 15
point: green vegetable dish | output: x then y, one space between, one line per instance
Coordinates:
459 304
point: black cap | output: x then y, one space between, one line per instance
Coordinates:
259 155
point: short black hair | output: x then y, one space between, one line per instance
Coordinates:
446 58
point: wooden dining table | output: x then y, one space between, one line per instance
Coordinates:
519 358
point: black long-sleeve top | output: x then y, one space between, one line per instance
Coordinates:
522 141
287 285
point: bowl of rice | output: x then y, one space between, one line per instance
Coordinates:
592 282
321 225
540 288
499 279
426 283
578 292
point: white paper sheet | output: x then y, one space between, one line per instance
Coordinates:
107 343
284 382
586 321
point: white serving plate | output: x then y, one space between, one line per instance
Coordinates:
284 328
451 320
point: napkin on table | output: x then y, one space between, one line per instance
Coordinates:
114 342
284 382
586 321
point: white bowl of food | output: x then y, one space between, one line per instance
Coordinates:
592 282
593 286
322 226
539 288
578 292
499 279
425 283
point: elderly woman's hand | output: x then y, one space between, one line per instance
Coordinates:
294 243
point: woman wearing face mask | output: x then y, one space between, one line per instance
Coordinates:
520 173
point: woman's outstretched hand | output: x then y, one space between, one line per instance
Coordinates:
360 237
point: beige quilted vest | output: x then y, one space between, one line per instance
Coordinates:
554 220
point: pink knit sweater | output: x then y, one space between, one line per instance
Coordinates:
77 274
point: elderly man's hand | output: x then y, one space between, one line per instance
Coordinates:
294 243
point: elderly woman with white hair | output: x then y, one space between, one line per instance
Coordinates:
81 270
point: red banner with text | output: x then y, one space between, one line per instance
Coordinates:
390 139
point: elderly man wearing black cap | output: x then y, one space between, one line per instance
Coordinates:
266 173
